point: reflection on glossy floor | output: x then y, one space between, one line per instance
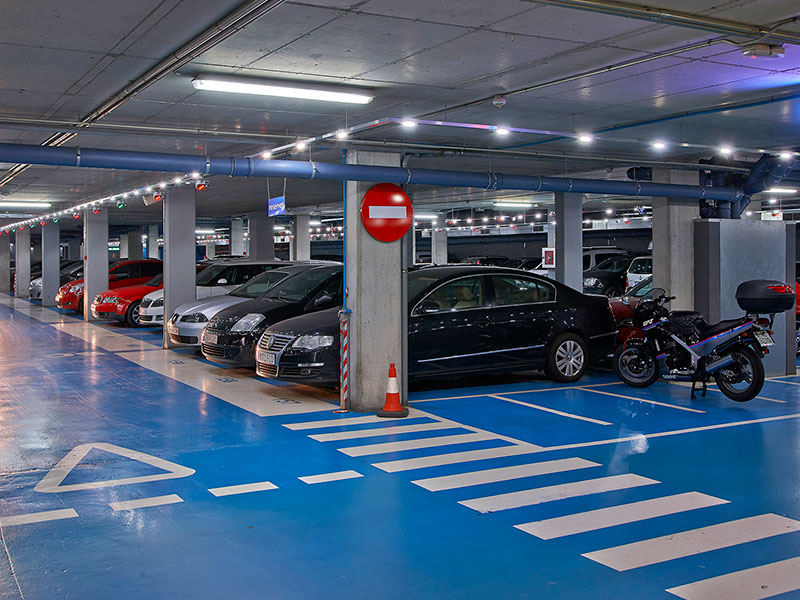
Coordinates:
129 471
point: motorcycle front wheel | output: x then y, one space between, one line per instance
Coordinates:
635 365
743 380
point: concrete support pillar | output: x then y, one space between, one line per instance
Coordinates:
551 231
134 243
152 241
179 251
300 245
569 239
211 250
51 263
374 282
261 235
673 240
22 269
74 249
439 242
36 252
5 263
95 260
123 246
237 237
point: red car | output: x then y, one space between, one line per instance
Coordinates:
623 307
122 304
120 274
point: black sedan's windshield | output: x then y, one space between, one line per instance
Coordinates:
298 287
259 284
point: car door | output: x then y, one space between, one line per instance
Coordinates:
524 316
121 276
450 329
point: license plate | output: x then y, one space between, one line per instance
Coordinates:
210 338
268 358
764 338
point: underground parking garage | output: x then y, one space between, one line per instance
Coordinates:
365 299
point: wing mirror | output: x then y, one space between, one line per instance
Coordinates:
222 281
428 307
323 301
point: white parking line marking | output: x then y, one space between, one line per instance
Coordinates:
38 517
695 541
380 431
556 492
547 389
676 407
757 583
452 458
244 488
146 502
334 423
433 442
326 477
551 410
461 480
632 512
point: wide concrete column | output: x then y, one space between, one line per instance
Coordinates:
439 241
300 245
152 241
237 237
179 251
673 240
95 260
261 235
51 263
374 283
134 244
5 263
123 246
211 250
36 253
74 249
569 239
22 269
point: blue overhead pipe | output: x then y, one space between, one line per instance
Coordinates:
767 173
249 167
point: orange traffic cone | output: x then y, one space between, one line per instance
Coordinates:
392 407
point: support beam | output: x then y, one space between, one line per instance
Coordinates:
237 237
179 251
123 246
134 243
211 249
51 263
569 239
95 260
439 241
22 268
152 241
261 235
300 245
374 280
5 263
36 252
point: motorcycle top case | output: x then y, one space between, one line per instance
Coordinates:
765 296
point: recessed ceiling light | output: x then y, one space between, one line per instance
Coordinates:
341 134
785 155
725 150
301 146
266 154
501 131
282 89
409 123
659 145
585 138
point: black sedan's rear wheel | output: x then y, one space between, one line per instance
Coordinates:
567 358
133 316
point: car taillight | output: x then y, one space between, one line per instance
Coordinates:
782 289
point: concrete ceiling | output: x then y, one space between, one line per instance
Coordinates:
62 60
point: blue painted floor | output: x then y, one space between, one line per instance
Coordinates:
123 479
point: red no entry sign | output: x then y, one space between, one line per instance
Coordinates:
386 212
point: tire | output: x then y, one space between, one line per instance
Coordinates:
79 310
132 315
567 358
747 373
635 365
612 292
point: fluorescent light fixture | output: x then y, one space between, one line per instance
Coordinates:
510 204
773 200
426 216
282 89
659 145
203 231
501 131
585 138
330 220
782 190
409 123
725 150
21 204
314 223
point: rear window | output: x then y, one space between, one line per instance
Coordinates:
641 266
613 264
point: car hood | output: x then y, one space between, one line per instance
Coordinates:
36 282
131 292
159 293
323 322
273 311
209 306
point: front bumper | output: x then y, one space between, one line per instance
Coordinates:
232 349
109 311
315 367
68 301
151 315
186 334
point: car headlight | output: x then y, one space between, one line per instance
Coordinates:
248 322
313 342
76 288
590 282
196 318
157 302
107 299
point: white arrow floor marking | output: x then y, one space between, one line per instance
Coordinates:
52 481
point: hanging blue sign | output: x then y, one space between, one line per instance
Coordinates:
276 206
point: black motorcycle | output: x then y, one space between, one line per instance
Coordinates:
682 346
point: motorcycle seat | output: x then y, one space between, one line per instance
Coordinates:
710 330
687 319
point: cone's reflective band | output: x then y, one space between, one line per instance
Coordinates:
386 212
393 407
344 397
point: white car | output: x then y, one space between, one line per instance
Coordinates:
216 280
640 269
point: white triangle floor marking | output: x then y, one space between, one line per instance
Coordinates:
52 481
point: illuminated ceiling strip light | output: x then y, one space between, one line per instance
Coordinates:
22 204
281 89
781 190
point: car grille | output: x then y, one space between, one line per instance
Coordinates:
267 370
298 372
274 342
145 318
215 351
183 339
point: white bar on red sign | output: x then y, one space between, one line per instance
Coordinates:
388 212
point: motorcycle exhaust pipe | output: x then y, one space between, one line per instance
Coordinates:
720 363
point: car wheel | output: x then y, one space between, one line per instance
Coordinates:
567 358
79 310
612 292
133 316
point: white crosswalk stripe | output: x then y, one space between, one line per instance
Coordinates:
461 480
695 541
378 431
452 458
632 512
334 423
556 492
433 442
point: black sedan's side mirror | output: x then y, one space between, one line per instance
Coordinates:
427 308
324 301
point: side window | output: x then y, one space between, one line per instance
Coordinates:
332 288
510 290
246 272
123 272
149 269
461 294
226 277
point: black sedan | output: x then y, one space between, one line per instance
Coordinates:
462 320
608 276
231 335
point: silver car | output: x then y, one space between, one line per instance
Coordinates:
70 269
189 320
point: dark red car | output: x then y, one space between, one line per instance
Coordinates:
623 307
120 274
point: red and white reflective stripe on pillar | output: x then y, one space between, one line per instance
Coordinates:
344 370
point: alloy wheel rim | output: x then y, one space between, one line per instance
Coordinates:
569 358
